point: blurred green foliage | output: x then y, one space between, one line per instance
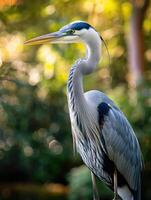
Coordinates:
35 135
81 185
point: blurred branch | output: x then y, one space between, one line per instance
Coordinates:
136 42
34 189
140 4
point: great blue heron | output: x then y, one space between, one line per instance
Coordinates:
101 133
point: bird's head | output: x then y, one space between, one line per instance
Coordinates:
74 32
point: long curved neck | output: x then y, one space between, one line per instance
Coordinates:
93 54
81 67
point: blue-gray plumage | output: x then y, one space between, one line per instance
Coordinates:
101 133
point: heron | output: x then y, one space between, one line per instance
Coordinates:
101 133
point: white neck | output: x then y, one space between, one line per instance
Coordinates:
93 44
82 67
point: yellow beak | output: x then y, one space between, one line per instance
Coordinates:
51 37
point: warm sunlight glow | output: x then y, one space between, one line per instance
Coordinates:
8 2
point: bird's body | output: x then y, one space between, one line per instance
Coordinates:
101 133
95 149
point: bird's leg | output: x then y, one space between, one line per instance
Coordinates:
115 185
95 190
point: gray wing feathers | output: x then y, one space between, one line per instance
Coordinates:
122 147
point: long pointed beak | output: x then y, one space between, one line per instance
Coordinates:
51 38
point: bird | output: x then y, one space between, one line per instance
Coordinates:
101 133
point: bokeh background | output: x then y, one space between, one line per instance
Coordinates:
36 157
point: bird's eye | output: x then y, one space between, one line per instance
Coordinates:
71 31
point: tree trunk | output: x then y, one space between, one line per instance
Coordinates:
136 42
